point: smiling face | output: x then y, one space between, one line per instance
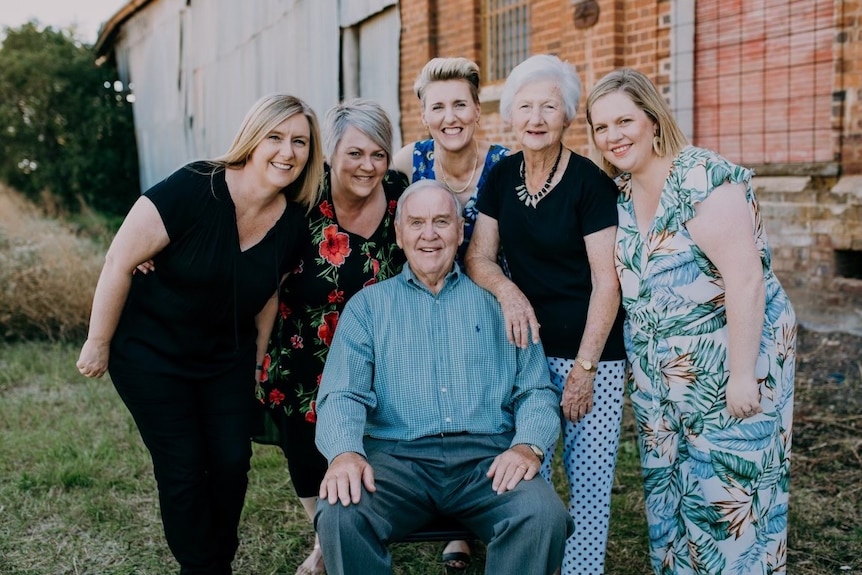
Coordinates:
281 156
358 164
429 229
449 112
539 115
622 132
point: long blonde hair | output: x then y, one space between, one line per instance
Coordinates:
263 117
644 94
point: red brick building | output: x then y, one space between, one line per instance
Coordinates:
771 84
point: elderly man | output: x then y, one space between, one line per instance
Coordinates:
426 409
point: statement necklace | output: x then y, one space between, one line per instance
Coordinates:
531 200
472 173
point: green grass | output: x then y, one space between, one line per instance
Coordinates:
77 494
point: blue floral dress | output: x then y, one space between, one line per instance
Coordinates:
716 486
423 169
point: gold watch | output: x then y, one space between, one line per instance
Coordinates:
537 451
586 364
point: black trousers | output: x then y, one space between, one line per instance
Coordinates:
198 434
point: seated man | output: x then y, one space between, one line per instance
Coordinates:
426 409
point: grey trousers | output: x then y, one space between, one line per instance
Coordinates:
524 529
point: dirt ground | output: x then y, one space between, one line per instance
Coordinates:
827 426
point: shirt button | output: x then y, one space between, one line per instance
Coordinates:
448 420
443 389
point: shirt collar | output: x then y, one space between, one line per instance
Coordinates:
452 277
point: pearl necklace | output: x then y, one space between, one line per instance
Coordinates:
524 195
472 173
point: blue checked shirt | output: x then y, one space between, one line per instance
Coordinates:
406 363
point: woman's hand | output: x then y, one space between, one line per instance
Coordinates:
743 397
93 361
577 398
144 268
520 318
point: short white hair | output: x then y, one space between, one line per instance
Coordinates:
538 68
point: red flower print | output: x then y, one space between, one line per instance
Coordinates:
311 415
335 246
372 281
264 371
327 329
391 208
284 311
336 296
375 266
319 377
296 342
276 397
326 209
298 268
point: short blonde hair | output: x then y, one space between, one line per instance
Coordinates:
442 69
645 96
263 117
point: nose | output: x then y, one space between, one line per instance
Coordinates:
448 114
613 133
287 150
428 231
536 115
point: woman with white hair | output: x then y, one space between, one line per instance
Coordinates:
553 212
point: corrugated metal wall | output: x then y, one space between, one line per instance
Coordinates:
198 66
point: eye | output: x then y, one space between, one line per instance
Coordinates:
415 224
380 155
461 104
625 121
353 154
274 137
436 107
599 128
300 142
441 222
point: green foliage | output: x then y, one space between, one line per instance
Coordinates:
64 130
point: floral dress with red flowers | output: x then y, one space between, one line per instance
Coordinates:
334 265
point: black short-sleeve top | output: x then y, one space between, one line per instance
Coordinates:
194 316
545 248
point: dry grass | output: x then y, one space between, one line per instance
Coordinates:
47 273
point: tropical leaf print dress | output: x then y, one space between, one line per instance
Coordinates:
716 486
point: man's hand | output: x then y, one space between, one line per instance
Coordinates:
510 467
345 477
577 400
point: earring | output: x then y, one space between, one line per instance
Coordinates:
657 146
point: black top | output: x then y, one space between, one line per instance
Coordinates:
545 247
194 317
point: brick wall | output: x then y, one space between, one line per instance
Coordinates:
810 209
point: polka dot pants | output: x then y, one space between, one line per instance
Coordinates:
589 458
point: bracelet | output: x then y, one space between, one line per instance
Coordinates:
259 366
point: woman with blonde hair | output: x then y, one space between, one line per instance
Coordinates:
448 89
182 344
710 334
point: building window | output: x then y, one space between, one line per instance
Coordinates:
763 80
848 264
506 34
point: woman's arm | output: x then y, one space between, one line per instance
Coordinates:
724 230
264 321
602 312
141 236
482 267
402 161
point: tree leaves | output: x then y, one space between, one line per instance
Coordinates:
63 128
